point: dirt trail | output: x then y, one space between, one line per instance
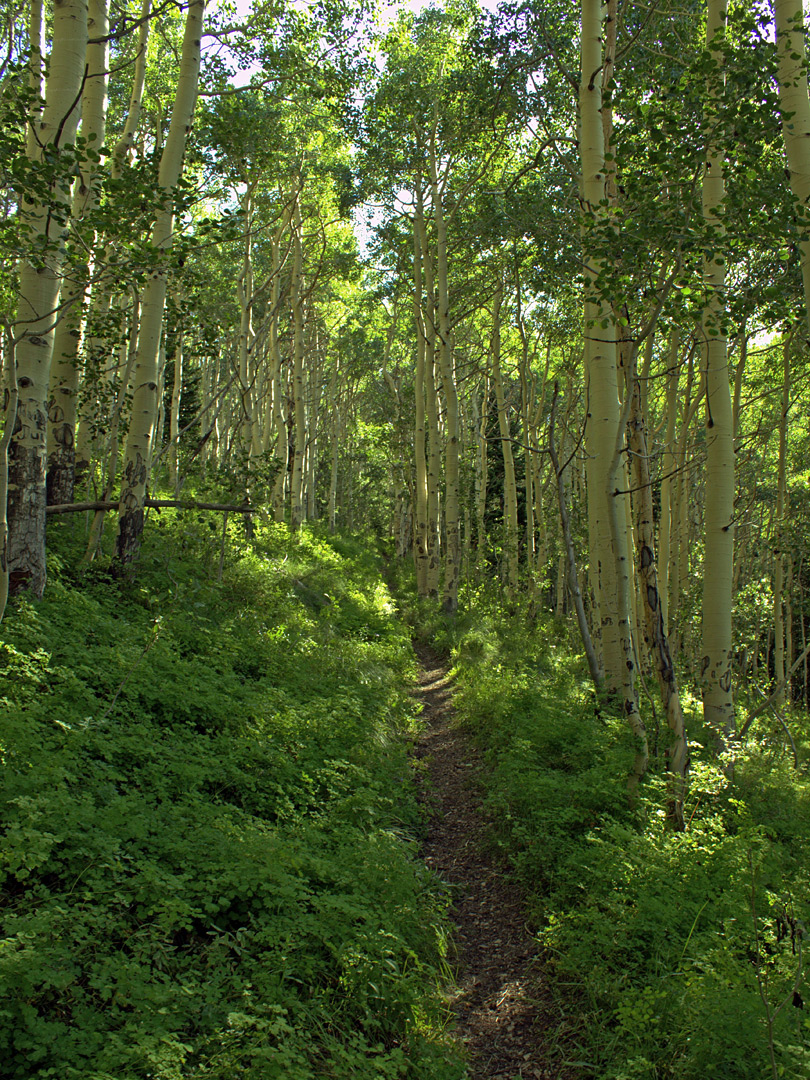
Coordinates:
504 1014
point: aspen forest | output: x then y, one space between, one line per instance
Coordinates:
405 543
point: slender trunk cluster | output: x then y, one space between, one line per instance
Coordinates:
610 565
146 377
38 306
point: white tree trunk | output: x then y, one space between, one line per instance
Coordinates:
145 403
38 299
718 566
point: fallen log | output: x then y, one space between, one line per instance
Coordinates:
178 504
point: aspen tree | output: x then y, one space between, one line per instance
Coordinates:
35 75
299 407
174 419
109 451
529 438
779 533
11 395
452 563
655 632
64 379
95 346
481 475
537 462
247 336
510 514
421 551
680 538
273 350
605 422
794 104
718 561
145 402
312 421
789 626
335 414
10 387
568 560
431 404
38 298
668 474
277 374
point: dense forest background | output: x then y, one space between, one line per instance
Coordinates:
515 299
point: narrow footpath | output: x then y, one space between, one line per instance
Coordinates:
505 1016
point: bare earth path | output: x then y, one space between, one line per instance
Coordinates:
504 1015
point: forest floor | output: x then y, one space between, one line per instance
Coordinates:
505 1015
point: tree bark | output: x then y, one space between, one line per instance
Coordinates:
452 565
95 346
299 407
38 301
718 565
794 104
431 406
421 504
174 417
779 531
510 510
597 675
655 632
11 396
605 422
64 380
145 402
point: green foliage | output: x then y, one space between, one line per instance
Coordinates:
680 952
207 867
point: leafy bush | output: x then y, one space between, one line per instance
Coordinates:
681 953
207 866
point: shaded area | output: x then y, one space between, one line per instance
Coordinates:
505 1014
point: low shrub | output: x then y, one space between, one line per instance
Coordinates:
208 865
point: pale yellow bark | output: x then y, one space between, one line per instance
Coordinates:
654 629
299 406
334 412
605 423
11 396
273 351
64 379
794 103
312 422
110 466
529 434
669 476
779 531
510 514
95 346
174 418
481 477
446 365
421 551
35 75
145 402
247 338
789 625
718 564
38 295
431 406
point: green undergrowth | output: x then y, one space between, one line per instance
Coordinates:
676 956
207 866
